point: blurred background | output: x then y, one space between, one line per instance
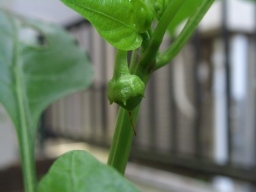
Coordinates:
196 130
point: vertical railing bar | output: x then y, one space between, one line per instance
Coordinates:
81 94
92 92
84 100
173 111
198 92
103 91
92 113
255 77
152 114
225 37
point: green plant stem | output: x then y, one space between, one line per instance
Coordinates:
28 163
123 135
184 36
122 140
121 65
26 144
149 55
26 151
25 136
133 60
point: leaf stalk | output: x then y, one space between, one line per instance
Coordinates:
166 57
148 57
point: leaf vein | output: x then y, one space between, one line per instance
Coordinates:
102 14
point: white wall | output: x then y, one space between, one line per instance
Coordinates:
240 15
49 10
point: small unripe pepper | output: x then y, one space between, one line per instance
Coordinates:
125 89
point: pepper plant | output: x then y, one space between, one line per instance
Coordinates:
31 77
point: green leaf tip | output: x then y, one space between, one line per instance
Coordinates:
78 171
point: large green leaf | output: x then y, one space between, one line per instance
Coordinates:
78 171
185 11
35 73
118 22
